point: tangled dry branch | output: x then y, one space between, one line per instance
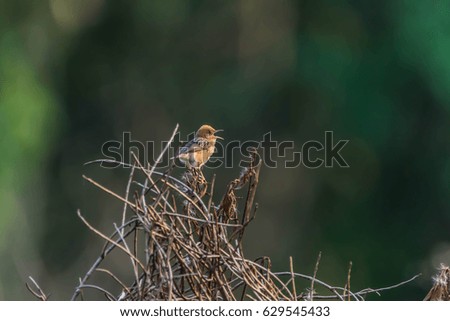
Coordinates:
181 246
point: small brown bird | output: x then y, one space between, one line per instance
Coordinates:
198 151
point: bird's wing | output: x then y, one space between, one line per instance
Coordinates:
193 146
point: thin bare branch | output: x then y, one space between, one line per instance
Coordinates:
316 268
127 191
38 292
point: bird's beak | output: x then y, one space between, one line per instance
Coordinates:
217 131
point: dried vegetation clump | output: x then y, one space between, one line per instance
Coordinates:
441 287
182 246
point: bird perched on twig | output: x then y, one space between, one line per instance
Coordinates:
198 151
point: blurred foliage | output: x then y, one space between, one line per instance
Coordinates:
27 120
75 74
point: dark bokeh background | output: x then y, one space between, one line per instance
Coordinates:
77 73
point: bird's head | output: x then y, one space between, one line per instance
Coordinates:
206 131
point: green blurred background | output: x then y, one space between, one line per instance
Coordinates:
76 73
